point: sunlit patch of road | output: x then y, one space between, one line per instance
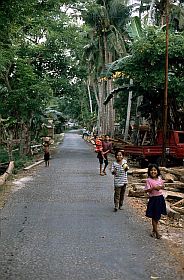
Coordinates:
21 183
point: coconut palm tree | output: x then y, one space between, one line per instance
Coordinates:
107 20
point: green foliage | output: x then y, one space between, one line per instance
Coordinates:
3 155
21 161
134 28
146 66
40 53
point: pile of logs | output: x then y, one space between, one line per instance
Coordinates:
119 144
173 191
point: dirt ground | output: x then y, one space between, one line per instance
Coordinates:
172 230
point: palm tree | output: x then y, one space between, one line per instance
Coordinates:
107 20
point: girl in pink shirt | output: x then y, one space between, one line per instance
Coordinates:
156 204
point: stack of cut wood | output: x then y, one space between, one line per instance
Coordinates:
174 188
119 144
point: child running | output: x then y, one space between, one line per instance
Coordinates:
119 170
156 204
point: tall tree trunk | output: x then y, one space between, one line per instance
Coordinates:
103 115
150 13
27 131
128 113
1 131
10 146
100 114
96 89
89 95
105 86
110 104
22 139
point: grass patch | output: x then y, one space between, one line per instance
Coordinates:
20 161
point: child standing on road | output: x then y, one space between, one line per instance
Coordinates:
98 146
156 204
119 170
46 151
99 151
107 148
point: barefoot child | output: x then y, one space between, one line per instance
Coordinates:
107 148
119 170
156 204
99 151
46 151
98 145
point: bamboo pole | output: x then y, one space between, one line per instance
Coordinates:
165 103
128 112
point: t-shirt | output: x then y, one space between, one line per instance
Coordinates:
121 175
150 183
107 146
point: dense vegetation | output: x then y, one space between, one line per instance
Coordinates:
75 59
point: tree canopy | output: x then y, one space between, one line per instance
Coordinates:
74 53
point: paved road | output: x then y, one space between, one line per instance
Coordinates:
61 226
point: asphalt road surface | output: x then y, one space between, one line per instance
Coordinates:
61 226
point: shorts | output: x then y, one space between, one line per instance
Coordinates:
46 156
102 160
